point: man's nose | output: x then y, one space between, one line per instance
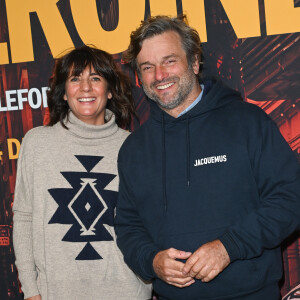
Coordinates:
161 73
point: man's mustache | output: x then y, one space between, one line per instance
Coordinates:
165 80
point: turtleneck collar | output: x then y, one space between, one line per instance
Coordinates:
83 130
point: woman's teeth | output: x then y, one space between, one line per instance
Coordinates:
86 99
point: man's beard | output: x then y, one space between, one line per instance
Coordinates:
186 85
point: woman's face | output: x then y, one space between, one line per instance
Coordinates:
87 96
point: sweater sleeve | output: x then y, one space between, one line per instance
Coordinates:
277 174
22 225
135 243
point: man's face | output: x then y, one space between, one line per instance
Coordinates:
164 71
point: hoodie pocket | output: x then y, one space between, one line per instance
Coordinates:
238 277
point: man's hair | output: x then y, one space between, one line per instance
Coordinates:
73 64
190 39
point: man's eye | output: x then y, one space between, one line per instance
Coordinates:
96 78
147 68
74 79
171 61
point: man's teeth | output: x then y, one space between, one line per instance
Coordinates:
86 99
162 87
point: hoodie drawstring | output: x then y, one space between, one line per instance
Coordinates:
188 149
164 162
164 157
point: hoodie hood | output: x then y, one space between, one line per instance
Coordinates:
215 95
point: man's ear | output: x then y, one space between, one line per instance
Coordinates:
65 97
196 65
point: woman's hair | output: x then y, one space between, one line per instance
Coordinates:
190 39
121 103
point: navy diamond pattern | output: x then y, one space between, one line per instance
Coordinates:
86 206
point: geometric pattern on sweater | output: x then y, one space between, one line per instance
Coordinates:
86 206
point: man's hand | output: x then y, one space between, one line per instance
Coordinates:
37 297
207 262
169 269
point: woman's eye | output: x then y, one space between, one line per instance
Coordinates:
96 79
74 79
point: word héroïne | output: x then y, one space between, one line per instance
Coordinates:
281 17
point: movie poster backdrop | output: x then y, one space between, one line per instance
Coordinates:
252 45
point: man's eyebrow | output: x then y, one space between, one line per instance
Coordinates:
145 63
173 55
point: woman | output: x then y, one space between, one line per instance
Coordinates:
67 183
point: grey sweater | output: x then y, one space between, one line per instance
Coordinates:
64 206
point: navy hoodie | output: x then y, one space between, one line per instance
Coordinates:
221 171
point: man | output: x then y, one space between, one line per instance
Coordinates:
208 186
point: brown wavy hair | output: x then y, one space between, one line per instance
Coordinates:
156 25
121 103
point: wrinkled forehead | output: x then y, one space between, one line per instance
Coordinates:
160 46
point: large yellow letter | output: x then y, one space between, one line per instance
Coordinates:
282 17
19 28
163 7
195 12
243 16
10 143
131 13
